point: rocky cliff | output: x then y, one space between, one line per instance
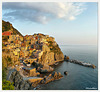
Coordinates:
19 83
51 51
30 84
51 77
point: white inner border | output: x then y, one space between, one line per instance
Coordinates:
48 1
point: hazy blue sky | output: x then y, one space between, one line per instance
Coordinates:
69 23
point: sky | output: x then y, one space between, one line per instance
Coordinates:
69 23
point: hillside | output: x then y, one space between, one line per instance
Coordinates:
47 50
29 54
6 26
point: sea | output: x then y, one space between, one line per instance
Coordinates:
79 77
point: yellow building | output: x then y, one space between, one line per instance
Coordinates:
21 54
21 38
9 47
26 53
16 51
31 72
30 60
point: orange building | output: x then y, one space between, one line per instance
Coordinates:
7 33
21 53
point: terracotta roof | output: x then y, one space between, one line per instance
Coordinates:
7 33
31 48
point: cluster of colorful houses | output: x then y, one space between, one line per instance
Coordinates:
27 49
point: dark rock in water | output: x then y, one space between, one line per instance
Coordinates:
66 58
65 72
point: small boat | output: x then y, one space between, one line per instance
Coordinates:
28 64
56 63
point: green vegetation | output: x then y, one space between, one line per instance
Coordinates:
9 61
4 71
53 48
6 85
2 45
6 26
16 32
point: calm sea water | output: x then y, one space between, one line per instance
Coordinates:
79 77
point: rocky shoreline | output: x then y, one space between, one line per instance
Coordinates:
51 77
31 84
19 83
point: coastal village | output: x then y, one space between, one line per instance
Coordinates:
28 49
28 57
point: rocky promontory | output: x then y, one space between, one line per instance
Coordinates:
19 83
51 77
30 84
51 51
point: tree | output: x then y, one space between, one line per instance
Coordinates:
4 73
7 85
